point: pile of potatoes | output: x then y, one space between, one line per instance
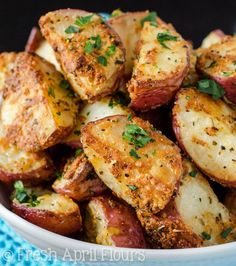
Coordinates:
119 133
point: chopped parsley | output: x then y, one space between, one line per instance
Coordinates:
82 21
94 42
51 92
193 173
23 196
58 175
152 17
132 187
227 73
205 236
88 48
210 87
136 135
64 84
102 60
116 12
78 151
164 37
226 232
77 132
134 154
129 117
71 29
111 50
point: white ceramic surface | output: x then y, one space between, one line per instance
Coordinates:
87 254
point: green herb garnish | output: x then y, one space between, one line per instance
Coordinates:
51 92
152 17
227 73
164 37
226 232
78 151
111 50
193 173
64 84
93 43
71 29
129 117
82 21
134 154
210 87
102 60
116 12
136 135
205 236
58 175
132 187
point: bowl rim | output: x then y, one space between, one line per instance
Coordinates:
62 241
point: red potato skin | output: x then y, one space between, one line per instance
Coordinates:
122 216
229 85
74 144
167 230
176 130
78 186
34 40
50 221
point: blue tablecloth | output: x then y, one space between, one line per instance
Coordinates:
14 251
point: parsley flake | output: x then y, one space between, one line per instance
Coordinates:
102 60
78 151
164 37
226 232
129 117
134 154
71 29
152 17
193 173
210 87
64 84
205 236
82 21
111 50
132 187
51 92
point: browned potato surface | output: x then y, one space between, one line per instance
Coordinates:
162 64
54 212
6 64
110 222
205 129
35 119
139 164
219 63
90 53
194 218
107 106
78 180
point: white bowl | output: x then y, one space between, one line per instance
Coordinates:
84 253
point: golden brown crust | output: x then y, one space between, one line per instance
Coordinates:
205 129
147 183
90 79
158 71
111 222
78 180
35 119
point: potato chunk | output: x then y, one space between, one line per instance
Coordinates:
219 63
90 53
205 129
51 211
213 37
230 201
112 223
194 218
137 163
36 112
78 180
107 106
162 64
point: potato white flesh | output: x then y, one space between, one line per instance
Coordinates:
78 180
213 37
205 129
107 106
35 119
219 63
207 217
93 72
230 201
112 223
160 68
146 177
128 26
6 64
51 211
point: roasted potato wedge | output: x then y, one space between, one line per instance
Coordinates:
194 218
219 63
90 53
78 180
35 119
213 37
205 129
230 201
107 106
54 212
34 40
162 64
112 223
139 164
